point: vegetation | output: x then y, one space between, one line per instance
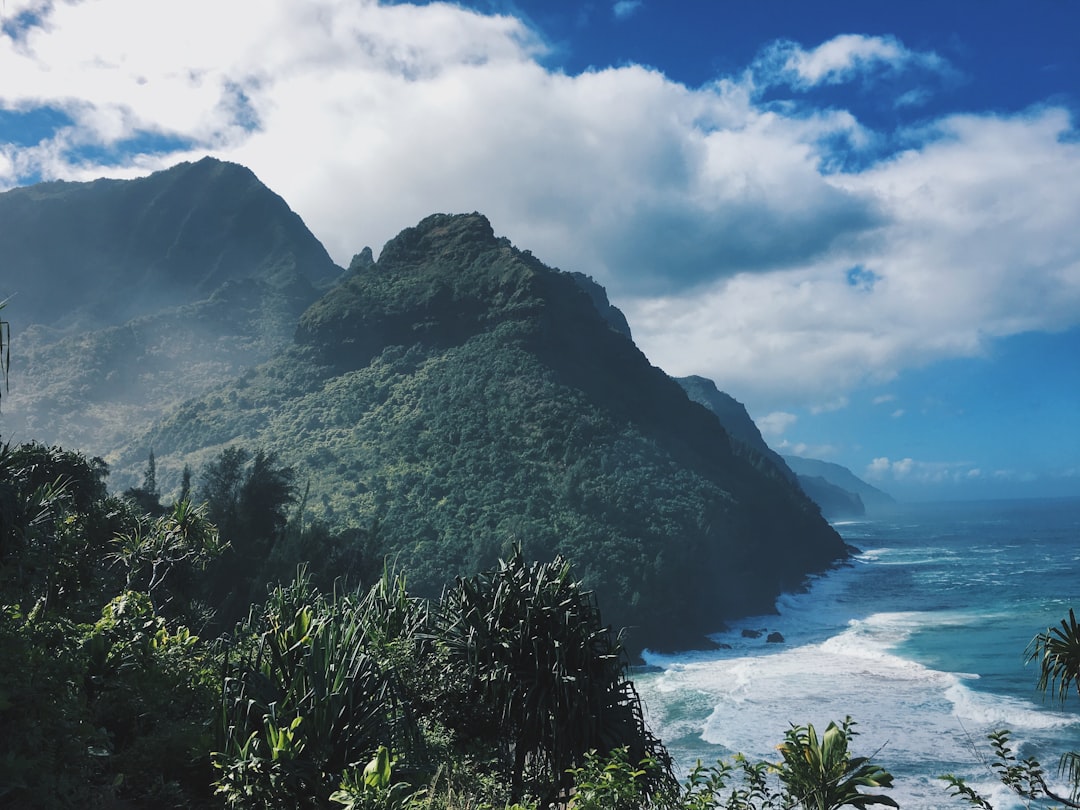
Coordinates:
457 396
1057 651
463 397
506 690
5 349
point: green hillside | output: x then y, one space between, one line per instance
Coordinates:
462 396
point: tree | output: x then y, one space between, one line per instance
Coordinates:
247 498
185 484
532 642
182 536
1057 651
5 348
147 496
221 482
56 524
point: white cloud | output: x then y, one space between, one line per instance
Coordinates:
719 223
776 424
911 471
804 450
844 57
626 8
834 404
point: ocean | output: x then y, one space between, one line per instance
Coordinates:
920 639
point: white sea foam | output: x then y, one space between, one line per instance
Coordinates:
875 640
914 717
923 722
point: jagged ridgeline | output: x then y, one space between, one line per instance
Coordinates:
463 396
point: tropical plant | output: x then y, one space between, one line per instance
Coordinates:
182 536
533 645
305 699
814 774
374 789
150 693
1057 651
822 774
706 787
612 782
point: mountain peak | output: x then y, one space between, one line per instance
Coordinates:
456 237
167 239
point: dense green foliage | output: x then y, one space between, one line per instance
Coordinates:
100 695
533 644
108 697
441 404
464 397
508 688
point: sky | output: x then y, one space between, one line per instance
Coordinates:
861 219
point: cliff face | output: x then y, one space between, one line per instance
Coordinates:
464 396
735 419
873 499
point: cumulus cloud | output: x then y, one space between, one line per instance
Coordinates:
843 58
724 226
911 471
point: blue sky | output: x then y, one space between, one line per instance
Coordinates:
859 218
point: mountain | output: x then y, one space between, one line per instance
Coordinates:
834 501
872 498
461 396
128 296
449 400
734 417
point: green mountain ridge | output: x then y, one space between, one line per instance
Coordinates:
463 396
453 399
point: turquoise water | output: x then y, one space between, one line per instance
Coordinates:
921 639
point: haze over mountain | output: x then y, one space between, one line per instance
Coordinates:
455 397
832 497
128 296
839 476
465 396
